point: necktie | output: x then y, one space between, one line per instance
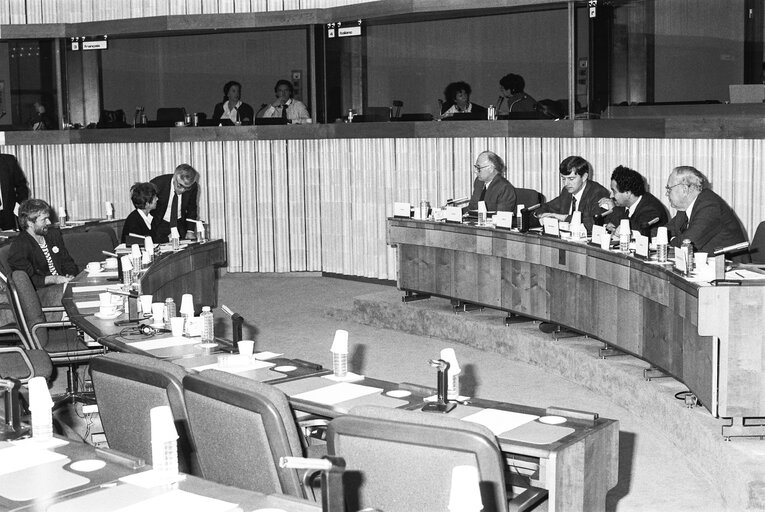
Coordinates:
174 211
284 111
483 193
573 204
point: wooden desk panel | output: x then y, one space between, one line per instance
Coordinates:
640 307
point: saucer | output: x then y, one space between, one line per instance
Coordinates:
108 316
93 272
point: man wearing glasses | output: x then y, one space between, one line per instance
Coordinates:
702 217
176 202
490 186
579 193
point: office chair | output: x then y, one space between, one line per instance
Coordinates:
240 428
399 461
59 339
109 230
757 247
87 246
127 387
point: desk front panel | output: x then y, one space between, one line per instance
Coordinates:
637 306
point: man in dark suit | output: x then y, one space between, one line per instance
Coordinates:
579 193
13 190
630 200
702 217
490 186
39 249
180 189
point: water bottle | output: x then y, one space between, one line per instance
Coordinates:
207 325
340 363
624 242
186 323
491 113
164 456
42 423
176 243
687 249
169 311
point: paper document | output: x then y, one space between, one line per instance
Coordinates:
17 458
743 274
88 304
500 421
266 355
252 364
171 341
180 500
95 288
337 393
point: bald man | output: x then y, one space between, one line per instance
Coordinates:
490 185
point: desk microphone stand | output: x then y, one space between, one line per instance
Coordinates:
441 404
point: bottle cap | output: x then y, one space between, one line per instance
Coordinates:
340 343
205 309
135 250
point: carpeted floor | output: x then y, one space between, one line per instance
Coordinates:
297 314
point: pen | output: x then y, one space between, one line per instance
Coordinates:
739 275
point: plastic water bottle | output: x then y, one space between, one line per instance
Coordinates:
661 252
186 323
169 311
176 243
687 249
207 325
340 363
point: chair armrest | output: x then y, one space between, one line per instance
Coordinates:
24 357
527 499
52 309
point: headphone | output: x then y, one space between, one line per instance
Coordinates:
143 330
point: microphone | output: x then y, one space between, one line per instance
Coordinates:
532 208
262 106
731 248
457 202
645 228
499 101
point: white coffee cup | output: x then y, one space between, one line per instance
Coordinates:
110 263
105 299
93 266
176 325
605 241
246 347
157 312
107 310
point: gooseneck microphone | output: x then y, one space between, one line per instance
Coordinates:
499 101
262 106
731 248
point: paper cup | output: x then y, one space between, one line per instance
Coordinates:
246 347
105 299
145 303
157 312
176 325
110 263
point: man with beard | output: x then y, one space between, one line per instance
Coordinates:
39 249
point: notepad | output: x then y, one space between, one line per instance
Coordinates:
500 421
336 393
171 341
17 458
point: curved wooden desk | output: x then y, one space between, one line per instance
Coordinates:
700 334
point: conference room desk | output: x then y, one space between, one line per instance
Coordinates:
576 460
58 480
702 335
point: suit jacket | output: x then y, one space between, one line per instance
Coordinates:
500 196
712 224
646 210
245 112
14 188
134 224
25 254
588 205
189 208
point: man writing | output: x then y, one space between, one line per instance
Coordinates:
490 186
630 200
702 217
13 190
579 193
39 249
176 202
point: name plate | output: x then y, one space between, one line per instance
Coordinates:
402 210
641 246
551 226
597 233
453 214
503 220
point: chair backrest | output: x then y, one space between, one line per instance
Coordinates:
127 387
87 246
400 461
21 364
6 310
111 231
528 197
171 114
28 309
240 429
757 247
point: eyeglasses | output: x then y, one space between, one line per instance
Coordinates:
669 188
479 168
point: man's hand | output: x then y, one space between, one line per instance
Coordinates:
560 216
57 279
